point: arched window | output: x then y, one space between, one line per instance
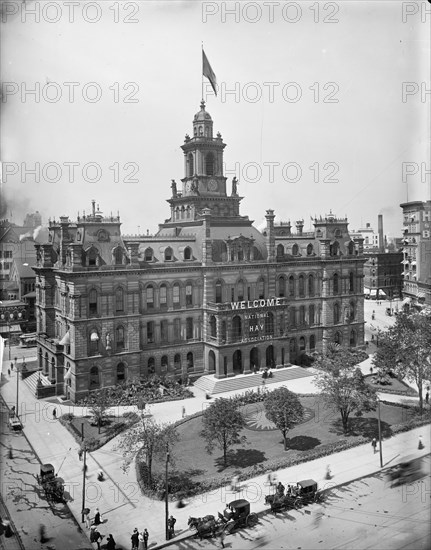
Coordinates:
189 328
240 291
118 255
295 250
236 329
292 345
338 338
281 286
311 286
177 362
169 255
351 282
189 294
148 255
119 299
92 256
209 164
351 248
187 253
352 311
190 165
150 332
121 373
213 327
92 302
334 249
164 331
311 314
310 249
336 313
302 315
119 338
163 296
218 292
280 251
176 295
312 342
291 286
269 324
335 283
261 288
301 286
94 342
353 337
190 362
302 343
164 363
150 296
151 365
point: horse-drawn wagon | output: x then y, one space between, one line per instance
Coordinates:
302 493
52 485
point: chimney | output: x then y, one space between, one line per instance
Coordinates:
381 239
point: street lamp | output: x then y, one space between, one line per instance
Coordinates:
380 434
23 367
167 494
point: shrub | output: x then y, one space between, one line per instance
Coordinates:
67 417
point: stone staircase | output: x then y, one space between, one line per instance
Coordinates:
213 385
31 381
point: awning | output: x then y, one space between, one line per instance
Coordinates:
366 290
5 329
30 294
373 292
421 294
406 301
65 341
382 293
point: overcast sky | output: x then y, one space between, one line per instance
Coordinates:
318 85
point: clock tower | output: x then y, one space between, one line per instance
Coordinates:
203 185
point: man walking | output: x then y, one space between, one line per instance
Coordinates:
374 444
54 414
146 536
135 539
171 526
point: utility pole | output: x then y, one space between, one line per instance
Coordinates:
167 493
84 472
380 436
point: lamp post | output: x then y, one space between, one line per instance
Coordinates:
84 468
167 494
380 434
17 383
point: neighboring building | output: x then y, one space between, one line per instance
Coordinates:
382 270
372 241
13 319
23 278
33 220
417 253
208 293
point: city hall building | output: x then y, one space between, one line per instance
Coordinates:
207 294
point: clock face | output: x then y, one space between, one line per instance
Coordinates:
212 185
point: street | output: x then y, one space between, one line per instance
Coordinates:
364 514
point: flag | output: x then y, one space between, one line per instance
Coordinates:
208 72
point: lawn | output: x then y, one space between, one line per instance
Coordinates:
322 426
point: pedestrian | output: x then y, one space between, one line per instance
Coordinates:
11 366
80 453
141 541
171 525
110 542
427 397
371 370
328 472
8 371
95 536
374 444
135 539
280 489
183 411
54 414
96 520
86 514
420 444
146 536
42 534
234 483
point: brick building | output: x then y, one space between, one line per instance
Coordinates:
208 293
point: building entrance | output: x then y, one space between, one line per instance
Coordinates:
270 362
237 362
254 359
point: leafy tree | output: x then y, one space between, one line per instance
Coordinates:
223 423
342 385
99 409
405 348
150 436
284 409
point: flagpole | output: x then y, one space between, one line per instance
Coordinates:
202 71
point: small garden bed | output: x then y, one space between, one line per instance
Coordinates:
94 436
390 384
155 389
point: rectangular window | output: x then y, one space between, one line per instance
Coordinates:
150 297
176 294
150 332
292 317
189 295
163 296
164 331
189 328
177 330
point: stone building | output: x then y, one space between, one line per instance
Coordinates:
208 293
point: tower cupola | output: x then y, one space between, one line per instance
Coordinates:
202 123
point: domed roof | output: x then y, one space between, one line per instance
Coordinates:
202 115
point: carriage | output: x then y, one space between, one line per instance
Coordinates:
52 485
236 515
300 494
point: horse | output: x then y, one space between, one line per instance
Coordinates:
203 526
